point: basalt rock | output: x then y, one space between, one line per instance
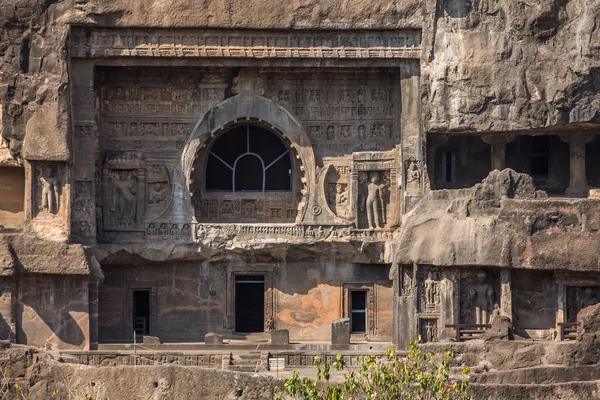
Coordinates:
501 329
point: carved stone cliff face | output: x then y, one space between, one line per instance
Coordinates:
511 65
506 65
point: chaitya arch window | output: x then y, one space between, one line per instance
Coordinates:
249 159
247 174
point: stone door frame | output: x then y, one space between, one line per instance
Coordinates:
232 273
368 287
127 290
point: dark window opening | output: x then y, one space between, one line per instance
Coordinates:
358 307
249 158
539 157
24 56
141 312
249 303
448 167
249 174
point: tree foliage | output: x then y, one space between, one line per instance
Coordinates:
417 376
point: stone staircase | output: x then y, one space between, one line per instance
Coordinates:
538 383
252 361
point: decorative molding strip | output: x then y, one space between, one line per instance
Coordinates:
386 44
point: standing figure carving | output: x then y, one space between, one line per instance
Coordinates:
124 199
49 185
430 292
374 200
429 332
481 299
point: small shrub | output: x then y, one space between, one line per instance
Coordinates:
418 376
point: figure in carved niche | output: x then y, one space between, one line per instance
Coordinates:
481 299
341 200
374 200
413 177
124 198
430 292
430 329
49 185
158 194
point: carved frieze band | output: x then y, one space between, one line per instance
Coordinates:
86 42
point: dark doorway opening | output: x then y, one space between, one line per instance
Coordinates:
540 157
141 311
358 316
249 303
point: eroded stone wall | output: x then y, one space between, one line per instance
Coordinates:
52 311
191 299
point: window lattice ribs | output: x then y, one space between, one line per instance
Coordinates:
249 158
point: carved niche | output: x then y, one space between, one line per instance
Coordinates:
428 329
429 291
413 177
407 284
123 190
336 186
47 186
479 292
374 192
580 297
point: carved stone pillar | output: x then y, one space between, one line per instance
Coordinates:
498 143
93 290
578 186
506 293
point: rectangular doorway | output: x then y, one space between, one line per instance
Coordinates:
358 314
141 311
249 303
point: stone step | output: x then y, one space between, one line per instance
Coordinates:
539 375
243 368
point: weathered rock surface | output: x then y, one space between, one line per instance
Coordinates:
587 350
487 66
526 231
30 254
7 261
40 376
501 329
505 65
507 183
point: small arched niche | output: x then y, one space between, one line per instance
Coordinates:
248 172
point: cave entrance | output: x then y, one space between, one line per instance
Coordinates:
141 311
249 303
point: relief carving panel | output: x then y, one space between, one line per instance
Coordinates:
375 194
390 44
123 189
342 112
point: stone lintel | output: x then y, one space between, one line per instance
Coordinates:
244 43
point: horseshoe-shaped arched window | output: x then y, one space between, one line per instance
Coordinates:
249 158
